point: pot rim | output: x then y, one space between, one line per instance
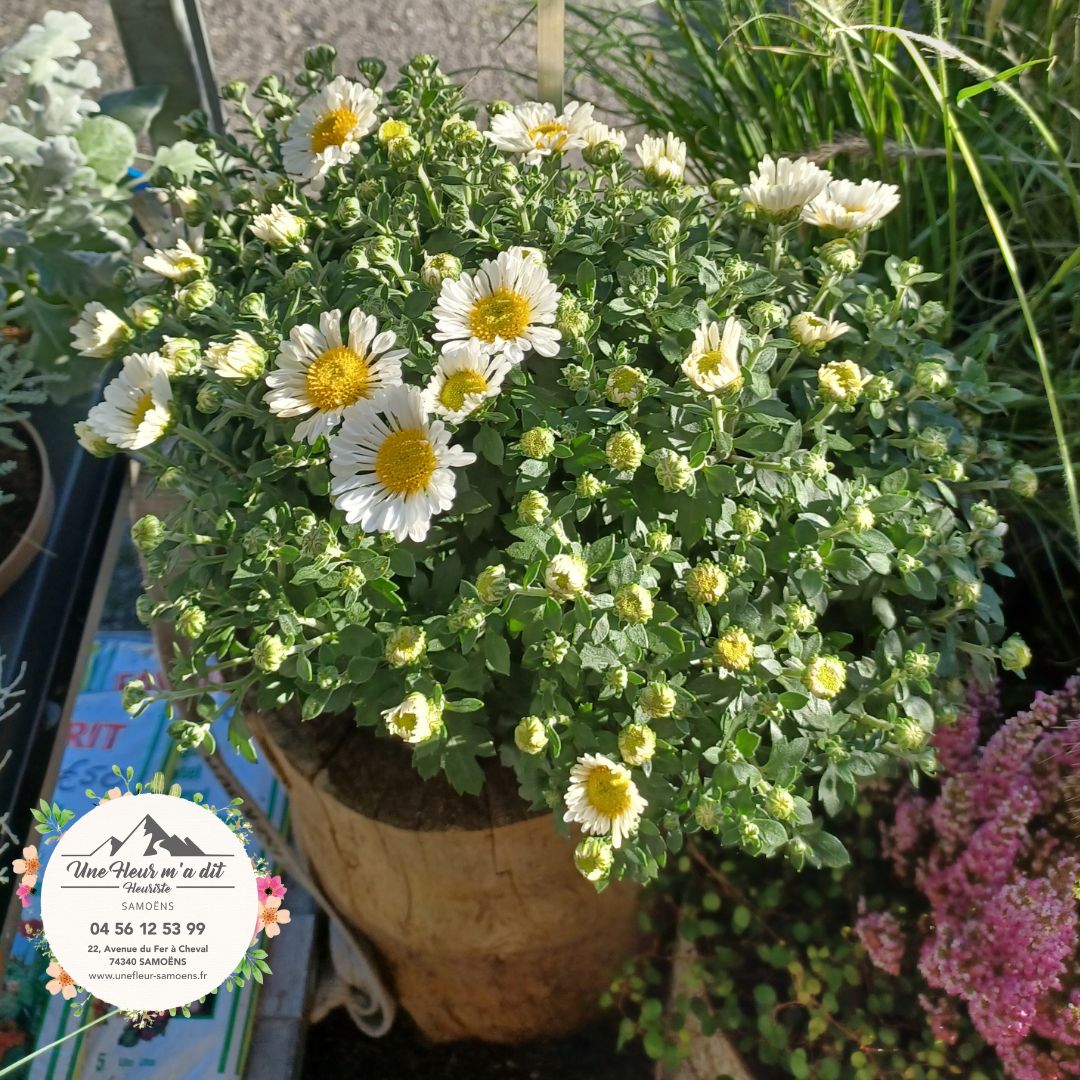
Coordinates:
32 541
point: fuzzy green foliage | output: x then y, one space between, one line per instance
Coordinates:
743 594
971 110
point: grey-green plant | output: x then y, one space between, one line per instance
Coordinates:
693 527
67 173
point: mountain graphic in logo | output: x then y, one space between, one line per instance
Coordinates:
148 838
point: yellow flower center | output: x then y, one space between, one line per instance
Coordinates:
407 722
186 265
711 363
405 462
338 377
142 407
64 979
32 865
608 791
332 128
504 314
551 136
269 916
459 386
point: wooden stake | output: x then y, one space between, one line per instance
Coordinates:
550 50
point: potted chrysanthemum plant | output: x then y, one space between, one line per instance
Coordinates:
507 460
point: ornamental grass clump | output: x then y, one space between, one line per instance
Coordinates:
510 442
994 860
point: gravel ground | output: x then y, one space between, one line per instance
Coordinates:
252 37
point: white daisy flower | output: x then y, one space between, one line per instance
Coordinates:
100 332
414 720
241 359
535 130
278 227
328 128
713 362
508 306
391 465
464 378
603 798
317 373
781 188
848 206
138 404
596 133
662 160
180 264
814 332
529 254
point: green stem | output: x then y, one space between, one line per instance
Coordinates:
15 1066
207 447
429 194
786 367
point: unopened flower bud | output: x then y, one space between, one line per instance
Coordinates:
533 508
439 268
616 679
530 735
197 296
633 604
537 443
147 533
932 443
593 858
931 376
1023 480
705 584
624 451
657 700
780 804
664 231
637 744
746 521
554 649
405 645
191 622
566 576
840 256
1014 654
734 650
673 471
134 697
269 653
492 584
767 315
825 676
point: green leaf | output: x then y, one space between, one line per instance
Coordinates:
489 445
497 653
135 107
463 771
829 851
989 84
182 159
108 145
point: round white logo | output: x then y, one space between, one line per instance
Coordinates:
149 902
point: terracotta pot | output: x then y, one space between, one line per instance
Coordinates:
26 549
486 929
